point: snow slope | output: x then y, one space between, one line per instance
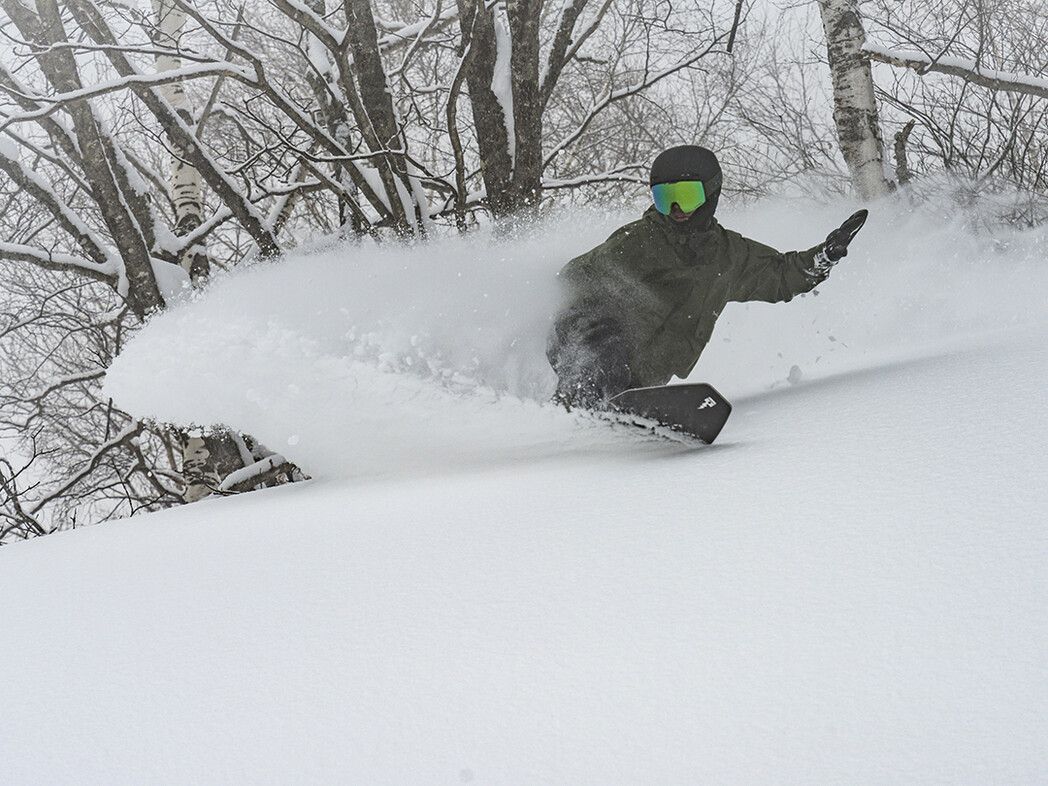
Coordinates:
848 587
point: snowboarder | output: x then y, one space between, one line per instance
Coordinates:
641 306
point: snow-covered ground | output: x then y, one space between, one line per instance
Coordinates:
849 587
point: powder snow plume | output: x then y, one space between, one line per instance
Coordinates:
357 359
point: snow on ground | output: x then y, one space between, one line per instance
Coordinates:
478 588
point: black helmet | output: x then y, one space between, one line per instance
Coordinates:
687 162
691 162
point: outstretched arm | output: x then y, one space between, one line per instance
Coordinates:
762 273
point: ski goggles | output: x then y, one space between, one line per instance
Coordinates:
688 194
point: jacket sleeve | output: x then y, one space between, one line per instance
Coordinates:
762 273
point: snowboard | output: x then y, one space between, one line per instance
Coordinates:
694 409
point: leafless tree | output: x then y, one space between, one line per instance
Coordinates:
81 117
144 146
140 148
77 458
969 92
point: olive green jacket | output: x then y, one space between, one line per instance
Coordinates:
667 288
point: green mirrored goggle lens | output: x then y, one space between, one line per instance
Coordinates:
689 194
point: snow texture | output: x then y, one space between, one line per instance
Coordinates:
848 587
172 280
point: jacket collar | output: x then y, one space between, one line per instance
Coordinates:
672 231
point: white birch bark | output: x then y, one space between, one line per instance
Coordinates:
188 201
186 184
854 103
198 470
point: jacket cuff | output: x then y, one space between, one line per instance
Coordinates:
821 265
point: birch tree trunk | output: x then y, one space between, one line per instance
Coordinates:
854 104
186 191
206 459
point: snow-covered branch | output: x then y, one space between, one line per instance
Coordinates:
255 474
414 35
50 260
181 134
59 134
332 39
966 69
400 34
104 263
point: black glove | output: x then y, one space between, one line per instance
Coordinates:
836 245
588 352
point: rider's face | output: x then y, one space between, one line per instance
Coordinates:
679 215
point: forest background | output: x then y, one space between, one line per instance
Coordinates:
146 150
